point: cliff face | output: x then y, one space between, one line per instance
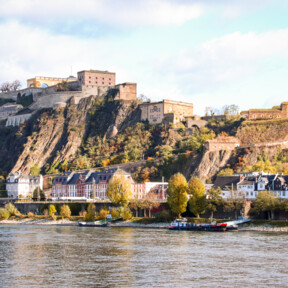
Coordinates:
211 163
55 135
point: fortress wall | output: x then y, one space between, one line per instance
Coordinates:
48 101
13 94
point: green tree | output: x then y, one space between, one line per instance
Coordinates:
35 170
52 210
65 211
177 194
214 200
197 203
265 202
119 190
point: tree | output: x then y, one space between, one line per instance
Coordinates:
214 200
15 85
91 212
197 204
65 211
35 170
177 194
52 210
148 203
265 202
226 172
119 190
5 87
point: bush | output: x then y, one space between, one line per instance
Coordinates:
127 214
12 210
30 215
91 213
65 211
114 213
163 216
102 214
52 210
4 214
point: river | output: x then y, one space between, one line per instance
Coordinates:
69 256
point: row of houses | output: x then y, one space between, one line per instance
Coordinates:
81 186
93 185
248 185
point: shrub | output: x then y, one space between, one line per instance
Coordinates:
52 210
114 213
4 214
163 216
30 214
65 211
91 213
12 210
127 214
46 213
102 214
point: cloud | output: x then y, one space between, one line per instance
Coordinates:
76 14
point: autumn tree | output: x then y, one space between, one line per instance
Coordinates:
65 211
197 203
52 210
177 194
119 190
91 212
226 172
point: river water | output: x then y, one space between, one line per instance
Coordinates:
69 256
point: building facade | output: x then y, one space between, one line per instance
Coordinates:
173 111
248 186
96 78
20 185
93 185
222 143
276 112
43 82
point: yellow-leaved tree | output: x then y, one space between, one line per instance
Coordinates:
177 194
119 190
197 203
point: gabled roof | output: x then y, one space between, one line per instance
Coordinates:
226 182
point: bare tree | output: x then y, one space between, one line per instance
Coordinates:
5 87
15 85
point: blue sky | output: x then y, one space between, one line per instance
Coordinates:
210 53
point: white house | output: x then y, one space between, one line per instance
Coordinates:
20 185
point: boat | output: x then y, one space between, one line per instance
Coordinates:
93 224
182 224
233 225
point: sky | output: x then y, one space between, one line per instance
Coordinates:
209 53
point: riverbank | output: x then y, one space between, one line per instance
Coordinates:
132 224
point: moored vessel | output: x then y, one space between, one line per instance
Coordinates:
182 224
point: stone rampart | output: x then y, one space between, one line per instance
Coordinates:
283 144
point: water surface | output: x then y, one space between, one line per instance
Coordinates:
40 256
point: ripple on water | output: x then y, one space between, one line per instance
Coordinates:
37 256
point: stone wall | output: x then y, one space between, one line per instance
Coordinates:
126 91
16 120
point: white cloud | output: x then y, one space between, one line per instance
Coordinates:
120 13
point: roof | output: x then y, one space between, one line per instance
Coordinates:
226 181
223 139
96 71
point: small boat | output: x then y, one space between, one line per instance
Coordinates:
182 224
93 224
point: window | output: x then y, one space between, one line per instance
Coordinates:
103 83
90 82
109 83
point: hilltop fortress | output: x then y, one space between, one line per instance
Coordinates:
51 92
